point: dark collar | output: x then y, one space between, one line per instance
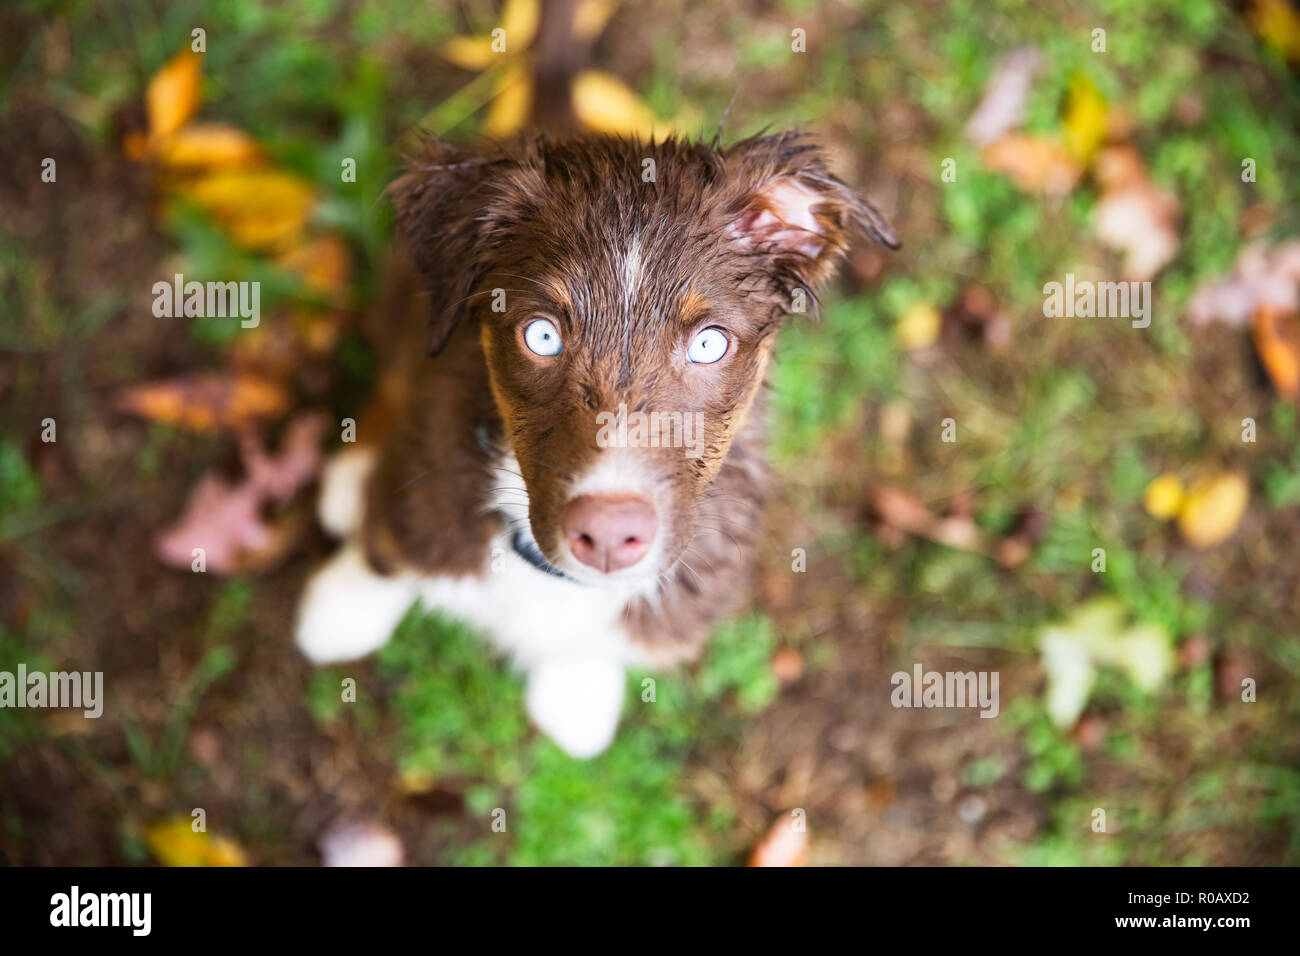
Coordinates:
533 555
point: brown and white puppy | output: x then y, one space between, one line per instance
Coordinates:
579 468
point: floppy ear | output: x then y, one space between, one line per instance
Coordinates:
791 210
442 202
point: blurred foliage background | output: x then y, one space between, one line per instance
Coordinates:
1121 681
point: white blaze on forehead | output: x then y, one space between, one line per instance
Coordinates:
631 271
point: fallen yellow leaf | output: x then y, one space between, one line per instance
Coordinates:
172 97
590 18
514 98
260 208
1163 497
604 104
201 145
1213 509
1278 23
469 53
174 843
918 327
520 19
1084 119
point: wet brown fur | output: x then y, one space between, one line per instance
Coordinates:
552 223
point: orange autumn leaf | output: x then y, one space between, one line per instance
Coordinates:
172 97
201 145
785 845
174 843
207 402
261 208
1277 340
1035 164
324 264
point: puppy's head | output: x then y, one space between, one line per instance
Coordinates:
627 296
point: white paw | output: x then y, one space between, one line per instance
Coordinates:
576 702
343 491
347 610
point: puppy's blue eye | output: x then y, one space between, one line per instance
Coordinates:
708 346
542 337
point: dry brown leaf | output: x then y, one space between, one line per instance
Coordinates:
279 476
901 513
206 402
1133 215
1005 96
1018 545
787 664
1260 278
905 512
1036 164
224 518
902 510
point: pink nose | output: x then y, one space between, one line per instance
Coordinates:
609 532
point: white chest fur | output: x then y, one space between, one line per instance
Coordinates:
568 637
530 614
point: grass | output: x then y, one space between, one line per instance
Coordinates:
1072 420
462 721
